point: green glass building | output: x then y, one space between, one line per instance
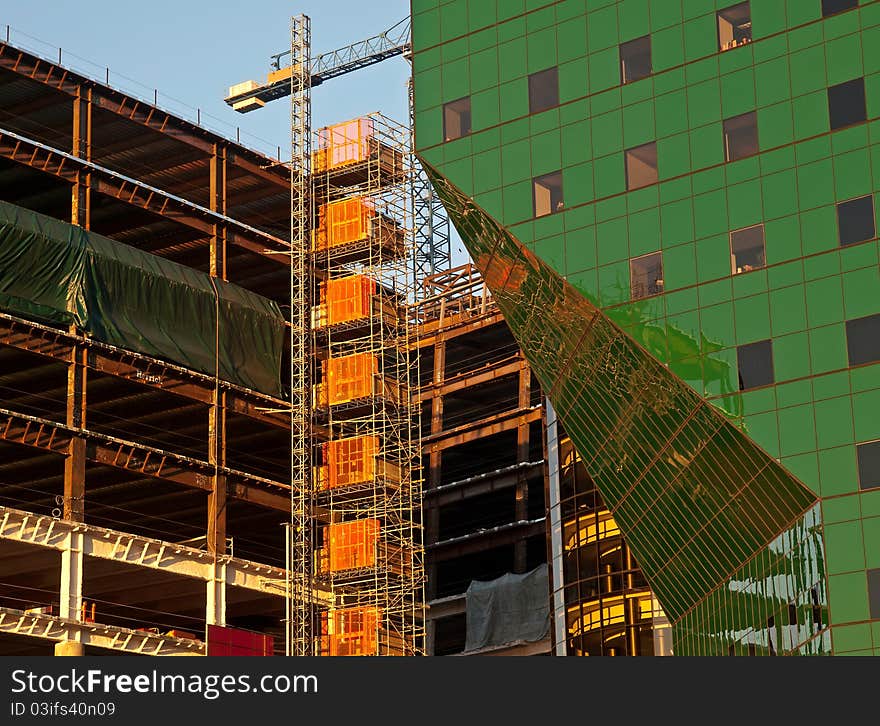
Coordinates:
673 202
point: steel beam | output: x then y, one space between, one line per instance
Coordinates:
489 373
111 637
69 168
140 459
57 345
478 429
144 552
147 115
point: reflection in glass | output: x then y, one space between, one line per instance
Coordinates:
726 537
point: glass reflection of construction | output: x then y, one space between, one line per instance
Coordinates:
606 607
368 553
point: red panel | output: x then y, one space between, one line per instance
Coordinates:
233 641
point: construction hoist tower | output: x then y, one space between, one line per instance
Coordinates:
357 201
370 554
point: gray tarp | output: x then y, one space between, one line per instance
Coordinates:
57 272
510 609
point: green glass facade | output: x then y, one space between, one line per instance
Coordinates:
736 355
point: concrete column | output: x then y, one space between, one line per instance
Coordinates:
215 604
69 647
70 592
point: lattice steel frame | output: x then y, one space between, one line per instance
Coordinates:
395 585
431 227
300 616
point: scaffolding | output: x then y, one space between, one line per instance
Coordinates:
366 476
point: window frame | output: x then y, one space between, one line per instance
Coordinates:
837 208
861 446
559 206
733 265
719 18
448 104
848 332
873 573
620 59
739 365
727 134
532 77
837 12
662 286
864 101
626 156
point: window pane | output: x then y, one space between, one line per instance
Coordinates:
734 27
646 275
635 59
548 194
830 7
863 340
755 362
874 593
846 103
855 220
869 465
457 119
543 90
741 136
641 166
747 249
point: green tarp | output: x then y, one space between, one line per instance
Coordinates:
59 273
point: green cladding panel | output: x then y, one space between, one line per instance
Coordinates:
811 411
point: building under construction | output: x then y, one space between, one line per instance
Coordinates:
219 373
522 555
148 291
144 470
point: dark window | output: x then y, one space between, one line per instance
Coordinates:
635 59
755 362
868 456
646 275
741 136
846 103
818 620
734 26
855 220
771 635
874 593
548 193
863 340
641 166
543 90
457 119
747 249
832 7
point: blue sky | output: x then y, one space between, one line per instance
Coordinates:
192 50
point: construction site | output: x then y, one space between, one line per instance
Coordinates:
248 406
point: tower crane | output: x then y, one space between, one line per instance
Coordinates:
433 250
250 95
